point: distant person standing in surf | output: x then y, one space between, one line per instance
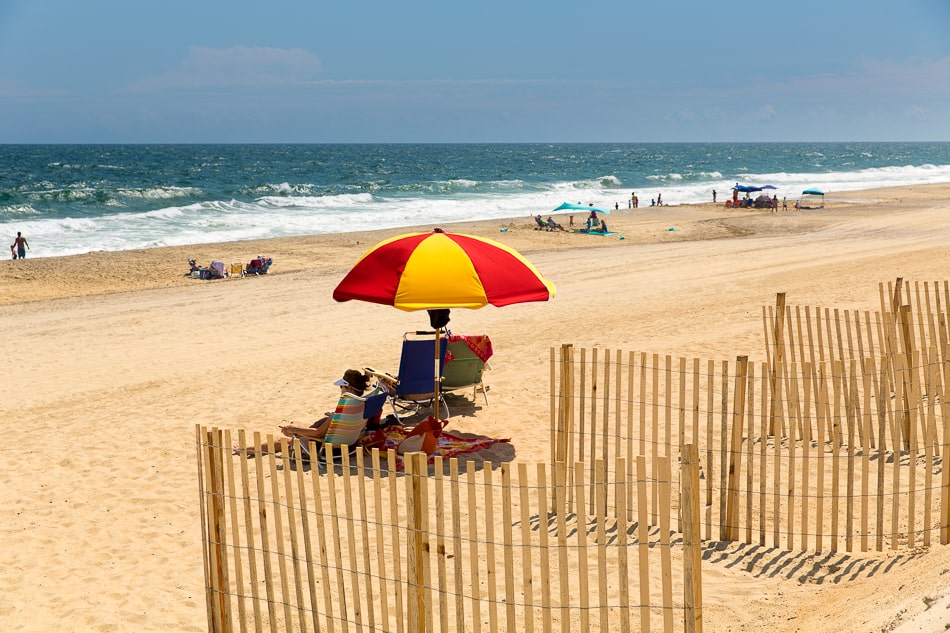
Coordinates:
20 244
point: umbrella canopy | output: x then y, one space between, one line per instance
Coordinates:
438 270
747 188
568 206
813 192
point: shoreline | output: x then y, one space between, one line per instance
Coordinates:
108 272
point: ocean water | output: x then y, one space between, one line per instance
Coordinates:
69 199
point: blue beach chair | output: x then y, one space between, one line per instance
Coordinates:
414 387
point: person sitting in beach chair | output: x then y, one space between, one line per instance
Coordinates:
353 382
198 272
603 226
541 226
551 225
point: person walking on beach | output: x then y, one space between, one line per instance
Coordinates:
21 245
714 196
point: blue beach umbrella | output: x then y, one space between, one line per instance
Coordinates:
748 188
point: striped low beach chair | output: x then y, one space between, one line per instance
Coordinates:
349 421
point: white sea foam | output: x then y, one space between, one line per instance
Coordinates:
283 209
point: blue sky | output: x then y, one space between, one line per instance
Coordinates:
204 71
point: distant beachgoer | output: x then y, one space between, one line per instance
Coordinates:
714 196
659 199
570 221
21 245
636 202
784 203
652 202
603 226
774 204
735 194
616 206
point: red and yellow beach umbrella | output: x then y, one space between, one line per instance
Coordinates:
438 270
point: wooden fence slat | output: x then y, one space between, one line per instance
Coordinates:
507 545
292 523
492 561
457 553
440 549
583 577
600 523
527 562
692 545
544 520
623 562
666 562
234 520
643 538
265 538
473 521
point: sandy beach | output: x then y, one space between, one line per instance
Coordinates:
113 357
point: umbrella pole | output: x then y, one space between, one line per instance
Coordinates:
438 375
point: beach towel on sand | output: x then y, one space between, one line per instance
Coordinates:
447 446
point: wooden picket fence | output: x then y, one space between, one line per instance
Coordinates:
365 545
835 442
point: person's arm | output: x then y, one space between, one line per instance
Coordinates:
317 431
300 431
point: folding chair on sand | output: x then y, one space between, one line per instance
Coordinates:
414 386
465 367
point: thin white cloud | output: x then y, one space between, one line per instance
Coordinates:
21 90
765 113
235 67
917 113
873 77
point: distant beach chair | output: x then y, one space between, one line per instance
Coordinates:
237 270
258 265
218 271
